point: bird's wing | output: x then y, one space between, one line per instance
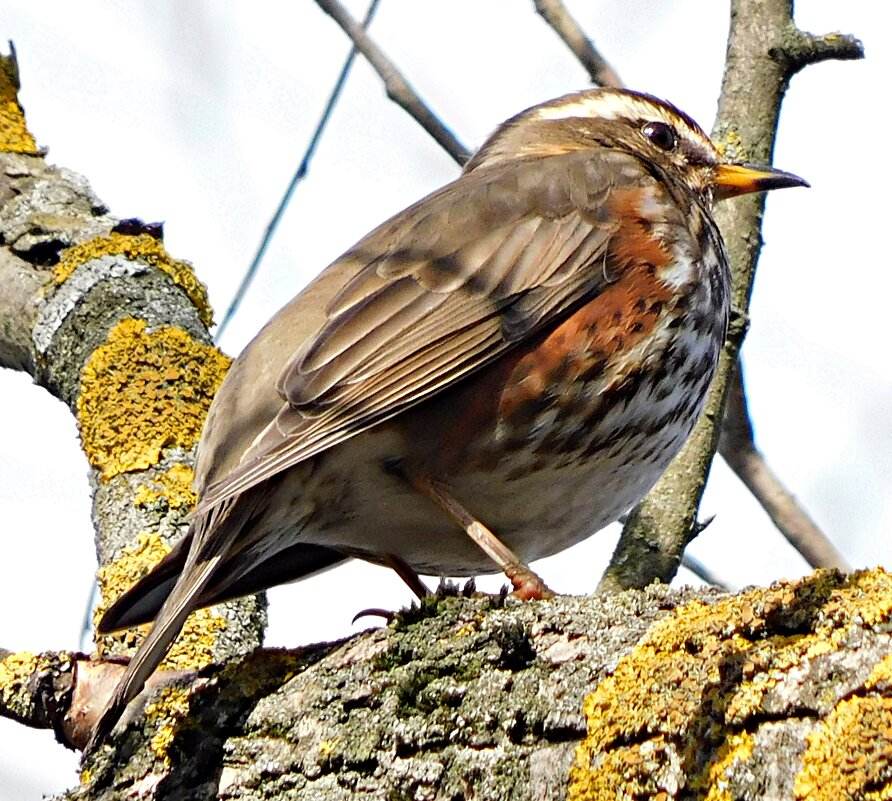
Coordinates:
423 301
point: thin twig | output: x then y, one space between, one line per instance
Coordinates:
702 572
564 25
299 174
397 87
738 448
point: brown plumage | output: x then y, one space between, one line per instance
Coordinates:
520 354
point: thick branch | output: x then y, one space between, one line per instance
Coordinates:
759 65
101 316
612 697
397 87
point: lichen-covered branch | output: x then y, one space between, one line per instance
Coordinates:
555 13
397 87
758 69
784 692
98 312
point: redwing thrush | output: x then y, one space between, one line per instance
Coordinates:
487 378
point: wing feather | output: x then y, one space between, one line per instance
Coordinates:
423 301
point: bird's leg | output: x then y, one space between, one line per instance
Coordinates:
407 573
527 585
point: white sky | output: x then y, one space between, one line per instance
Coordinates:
196 114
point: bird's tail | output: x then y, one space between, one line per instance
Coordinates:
210 544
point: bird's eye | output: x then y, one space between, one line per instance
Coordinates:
661 134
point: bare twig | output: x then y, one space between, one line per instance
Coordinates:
738 448
703 573
556 15
801 49
753 87
397 87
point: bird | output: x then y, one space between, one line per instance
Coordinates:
490 376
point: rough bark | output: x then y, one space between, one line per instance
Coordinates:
780 693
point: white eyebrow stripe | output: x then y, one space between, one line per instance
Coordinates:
605 106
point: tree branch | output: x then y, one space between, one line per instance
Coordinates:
653 694
397 87
738 448
564 25
102 317
759 65
801 48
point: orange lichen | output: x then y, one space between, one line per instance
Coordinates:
143 391
143 247
849 755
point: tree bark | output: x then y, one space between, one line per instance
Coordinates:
782 692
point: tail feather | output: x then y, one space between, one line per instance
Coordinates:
215 561
210 539
155 646
142 602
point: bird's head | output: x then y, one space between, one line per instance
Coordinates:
661 136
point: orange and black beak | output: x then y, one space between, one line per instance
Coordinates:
732 180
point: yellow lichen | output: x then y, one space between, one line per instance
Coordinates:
849 755
174 486
118 576
167 709
145 248
737 749
329 747
24 676
16 671
14 134
194 648
730 145
880 677
701 672
142 392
